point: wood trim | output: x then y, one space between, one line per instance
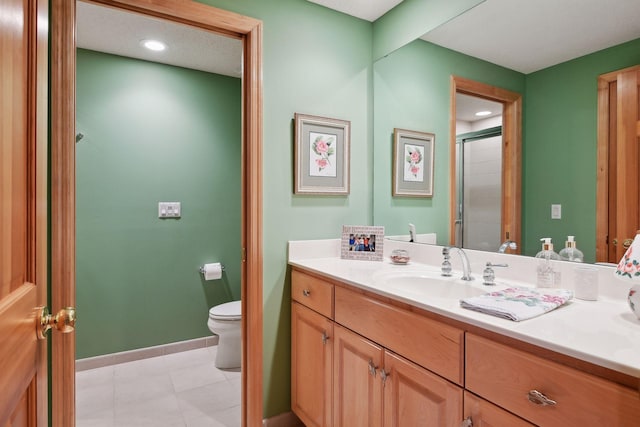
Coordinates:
62 182
602 172
63 177
604 197
511 160
42 194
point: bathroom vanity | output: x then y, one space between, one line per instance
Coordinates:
370 350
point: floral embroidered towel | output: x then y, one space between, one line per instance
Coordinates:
518 303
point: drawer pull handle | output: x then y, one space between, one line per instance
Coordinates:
540 399
306 292
384 375
468 422
372 368
325 338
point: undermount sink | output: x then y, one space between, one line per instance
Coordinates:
428 284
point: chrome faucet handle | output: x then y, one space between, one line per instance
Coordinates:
488 275
446 264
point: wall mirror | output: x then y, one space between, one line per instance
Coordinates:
413 90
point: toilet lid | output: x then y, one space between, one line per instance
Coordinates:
227 311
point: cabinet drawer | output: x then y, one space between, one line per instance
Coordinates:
505 376
486 414
312 292
429 343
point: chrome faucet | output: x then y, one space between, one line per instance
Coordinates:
446 265
507 244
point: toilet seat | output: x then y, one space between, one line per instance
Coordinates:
227 311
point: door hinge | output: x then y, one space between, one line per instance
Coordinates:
244 255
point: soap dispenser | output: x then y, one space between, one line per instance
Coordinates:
570 252
547 277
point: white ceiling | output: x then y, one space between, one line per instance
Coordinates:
523 35
467 106
112 31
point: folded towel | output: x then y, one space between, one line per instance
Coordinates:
518 303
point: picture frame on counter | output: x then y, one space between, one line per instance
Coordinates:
412 163
362 242
321 155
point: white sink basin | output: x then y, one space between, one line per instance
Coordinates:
429 285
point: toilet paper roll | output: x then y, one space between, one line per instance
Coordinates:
212 271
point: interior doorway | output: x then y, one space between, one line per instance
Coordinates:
63 132
618 191
510 181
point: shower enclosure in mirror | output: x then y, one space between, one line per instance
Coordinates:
479 177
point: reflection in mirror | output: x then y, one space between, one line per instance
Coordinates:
479 173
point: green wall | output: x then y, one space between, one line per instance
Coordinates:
560 148
153 133
316 61
412 91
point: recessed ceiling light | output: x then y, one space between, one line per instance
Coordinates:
483 113
154 45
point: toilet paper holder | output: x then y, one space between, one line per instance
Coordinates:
201 269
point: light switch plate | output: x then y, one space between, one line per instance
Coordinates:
168 209
556 211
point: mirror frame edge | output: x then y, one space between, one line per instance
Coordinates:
511 154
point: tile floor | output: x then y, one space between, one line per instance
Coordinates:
176 390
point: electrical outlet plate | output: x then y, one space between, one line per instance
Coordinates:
556 211
168 209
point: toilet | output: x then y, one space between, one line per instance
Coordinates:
225 321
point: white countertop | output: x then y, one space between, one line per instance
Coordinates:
603 332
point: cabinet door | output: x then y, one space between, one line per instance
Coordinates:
486 414
357 382
413 396
311 366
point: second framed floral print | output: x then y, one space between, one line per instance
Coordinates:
412 163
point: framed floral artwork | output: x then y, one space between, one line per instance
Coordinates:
321 155
412 163
362 242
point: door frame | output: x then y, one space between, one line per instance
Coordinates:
62 183
603 197
511 154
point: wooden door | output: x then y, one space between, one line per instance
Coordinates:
23 211
618 193
486 414
413 396
357 385
311 366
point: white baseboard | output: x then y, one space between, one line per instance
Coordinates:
287 419
144 353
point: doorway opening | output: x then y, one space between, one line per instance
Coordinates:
511 153
63 134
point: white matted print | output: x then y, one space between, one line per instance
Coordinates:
362 242
322 158
412 163
321 155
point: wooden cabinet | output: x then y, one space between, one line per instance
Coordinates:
520 382
312 350
371 379
413 396
311 366
357 391
363 360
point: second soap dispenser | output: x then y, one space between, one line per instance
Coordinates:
547 277
570 251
